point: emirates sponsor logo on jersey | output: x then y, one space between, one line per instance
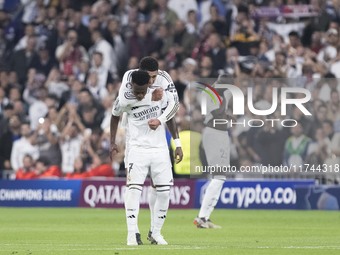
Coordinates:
145 112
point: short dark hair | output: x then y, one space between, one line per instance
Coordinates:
329 75
9 106
140 77
148 64
44 160
86 90
294 34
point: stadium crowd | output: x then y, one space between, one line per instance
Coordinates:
61 64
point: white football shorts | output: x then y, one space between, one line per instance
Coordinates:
140 161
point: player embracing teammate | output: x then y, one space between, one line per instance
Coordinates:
150 101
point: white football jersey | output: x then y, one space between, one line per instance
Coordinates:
140 134
164 81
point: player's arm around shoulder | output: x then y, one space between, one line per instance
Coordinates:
172 107
155 123
170 97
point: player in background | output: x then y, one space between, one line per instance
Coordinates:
148 149
159 80
216 144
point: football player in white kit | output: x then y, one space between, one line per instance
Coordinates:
216 144
159 81
148 149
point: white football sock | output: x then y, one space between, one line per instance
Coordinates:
152 195
210 199
132 198
160 209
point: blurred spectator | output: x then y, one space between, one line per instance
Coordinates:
7 113
273 141
107 104
325 86
85 32
92 84
29 32
318 149
232 65
45 62
90 117
102 46
294 41
46 138
296 147
217 17
70 54
86 100
244 33
329 51
30 10
7 139
68 112
165 13
192 23
57 36
71 95
133 63
206 67
4 45
4 87
104 77
114 37
3 100
19 109
306 123
70 144
217 52
22 59
38 108
183 42
27 171
319 117
45 170
334 106
180 86
55 84
22 147
181 8
333 157
14 94
13 79
79 170
35 82
142 42
163 41
90 148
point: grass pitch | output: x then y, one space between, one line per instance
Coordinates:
43 231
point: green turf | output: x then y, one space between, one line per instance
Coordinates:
44 231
